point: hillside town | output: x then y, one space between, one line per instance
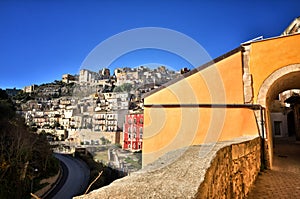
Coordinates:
150 99
92 108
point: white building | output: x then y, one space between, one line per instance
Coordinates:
87 76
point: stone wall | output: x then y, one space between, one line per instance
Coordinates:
233 171
218 170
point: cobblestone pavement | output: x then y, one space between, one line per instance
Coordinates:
283 181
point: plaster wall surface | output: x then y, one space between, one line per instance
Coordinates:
220 82
169 128
269 55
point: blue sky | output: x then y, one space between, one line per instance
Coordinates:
41 40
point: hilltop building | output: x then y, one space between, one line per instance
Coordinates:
87 76
29 89
67 78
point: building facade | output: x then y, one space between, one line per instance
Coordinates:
133 132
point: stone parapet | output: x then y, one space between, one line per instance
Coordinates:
232 171
219 170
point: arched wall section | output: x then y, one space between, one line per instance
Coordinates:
285 78
282 79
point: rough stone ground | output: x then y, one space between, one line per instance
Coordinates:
283 181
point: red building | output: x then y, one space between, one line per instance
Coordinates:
133 132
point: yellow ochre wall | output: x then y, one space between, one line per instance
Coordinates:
205 85
169 128
267 56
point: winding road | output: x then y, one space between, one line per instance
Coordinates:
74 180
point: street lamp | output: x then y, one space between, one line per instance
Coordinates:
35 171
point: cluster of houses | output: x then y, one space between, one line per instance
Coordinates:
95 113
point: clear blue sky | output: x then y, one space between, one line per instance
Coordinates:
41 40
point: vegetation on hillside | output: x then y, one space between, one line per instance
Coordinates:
135 160
126 87
25 157
108 176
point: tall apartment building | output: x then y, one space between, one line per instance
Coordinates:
133 132
105 121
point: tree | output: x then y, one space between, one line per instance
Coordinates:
126 87
7 109
24 155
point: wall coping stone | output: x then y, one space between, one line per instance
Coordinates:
177 174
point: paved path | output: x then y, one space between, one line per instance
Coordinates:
77 177
283 181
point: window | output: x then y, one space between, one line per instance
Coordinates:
141 120
134 120
141 129
277 127
129 130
